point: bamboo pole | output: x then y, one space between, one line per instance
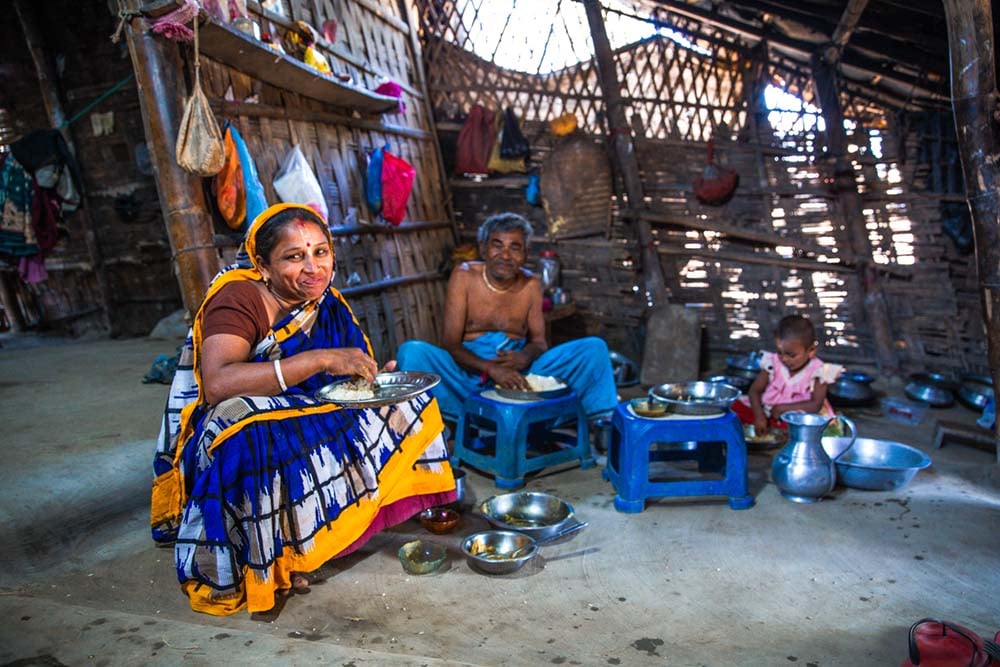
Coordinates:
158 70
48 82
624 151
977 122
876 310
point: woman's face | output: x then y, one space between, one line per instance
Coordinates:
794 354
300 267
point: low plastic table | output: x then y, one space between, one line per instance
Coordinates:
715 442
494 434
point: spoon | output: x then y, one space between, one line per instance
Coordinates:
562 533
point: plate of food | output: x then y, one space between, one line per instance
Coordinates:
542 387
387 389
772 437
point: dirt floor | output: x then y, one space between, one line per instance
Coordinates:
682 583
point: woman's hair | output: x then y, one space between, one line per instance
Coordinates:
796 327
505 222
270 231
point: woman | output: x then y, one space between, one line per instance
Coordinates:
256 481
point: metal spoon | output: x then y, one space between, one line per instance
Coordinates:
562 533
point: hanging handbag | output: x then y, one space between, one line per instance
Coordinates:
935 643
200 148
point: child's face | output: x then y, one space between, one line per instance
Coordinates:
794 354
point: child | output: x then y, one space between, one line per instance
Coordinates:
792 379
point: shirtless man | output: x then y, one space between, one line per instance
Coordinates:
494 331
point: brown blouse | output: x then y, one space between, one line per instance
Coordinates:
237 309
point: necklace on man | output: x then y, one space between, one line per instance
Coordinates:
491 286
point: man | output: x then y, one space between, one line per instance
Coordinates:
494 331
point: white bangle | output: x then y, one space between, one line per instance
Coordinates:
277 374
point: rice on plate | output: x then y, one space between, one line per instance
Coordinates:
543 382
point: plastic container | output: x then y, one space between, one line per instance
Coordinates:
903 412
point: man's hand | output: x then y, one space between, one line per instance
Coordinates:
513 359
508 378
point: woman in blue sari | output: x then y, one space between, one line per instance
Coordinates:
257 481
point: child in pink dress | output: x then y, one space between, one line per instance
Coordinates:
793 379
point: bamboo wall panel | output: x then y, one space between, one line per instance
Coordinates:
373 44
784 223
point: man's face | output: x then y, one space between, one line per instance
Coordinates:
504 254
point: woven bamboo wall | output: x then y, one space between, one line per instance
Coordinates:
393 277
774 248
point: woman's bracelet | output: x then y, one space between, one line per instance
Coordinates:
277 374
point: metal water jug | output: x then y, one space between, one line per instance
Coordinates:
802 470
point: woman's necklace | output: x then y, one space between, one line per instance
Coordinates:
493 288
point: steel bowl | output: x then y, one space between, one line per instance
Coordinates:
975 377
537 515
695 398
745 362
489 551
625 370
923 387
847 393
974 395
875 465
741 382
646 407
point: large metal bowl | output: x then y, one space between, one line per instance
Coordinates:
537 515
928 389
695 398
489 551
875 465
849 393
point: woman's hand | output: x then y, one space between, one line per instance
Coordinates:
349 361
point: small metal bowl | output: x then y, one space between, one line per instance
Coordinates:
925 388
696 398
860 377
489 551
537 515
439 520
974 395
647 407
850 393
420 557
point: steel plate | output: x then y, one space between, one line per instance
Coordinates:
390 388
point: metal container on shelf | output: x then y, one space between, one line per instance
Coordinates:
551 269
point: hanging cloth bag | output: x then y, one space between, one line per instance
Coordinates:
397 183
716 184
200 149
513 144
475 141
373 181
498 164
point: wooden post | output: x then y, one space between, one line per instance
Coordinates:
158 71
976 103
624 151
48 81
849 199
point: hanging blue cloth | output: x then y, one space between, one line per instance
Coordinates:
373 181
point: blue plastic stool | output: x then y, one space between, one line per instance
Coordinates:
505 427
700 440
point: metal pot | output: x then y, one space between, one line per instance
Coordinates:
802 470
929 388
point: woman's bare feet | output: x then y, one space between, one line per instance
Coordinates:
300 582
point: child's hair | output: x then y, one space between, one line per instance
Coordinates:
796 327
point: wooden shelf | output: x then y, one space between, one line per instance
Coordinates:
252 57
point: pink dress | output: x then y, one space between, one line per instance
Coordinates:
784 387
